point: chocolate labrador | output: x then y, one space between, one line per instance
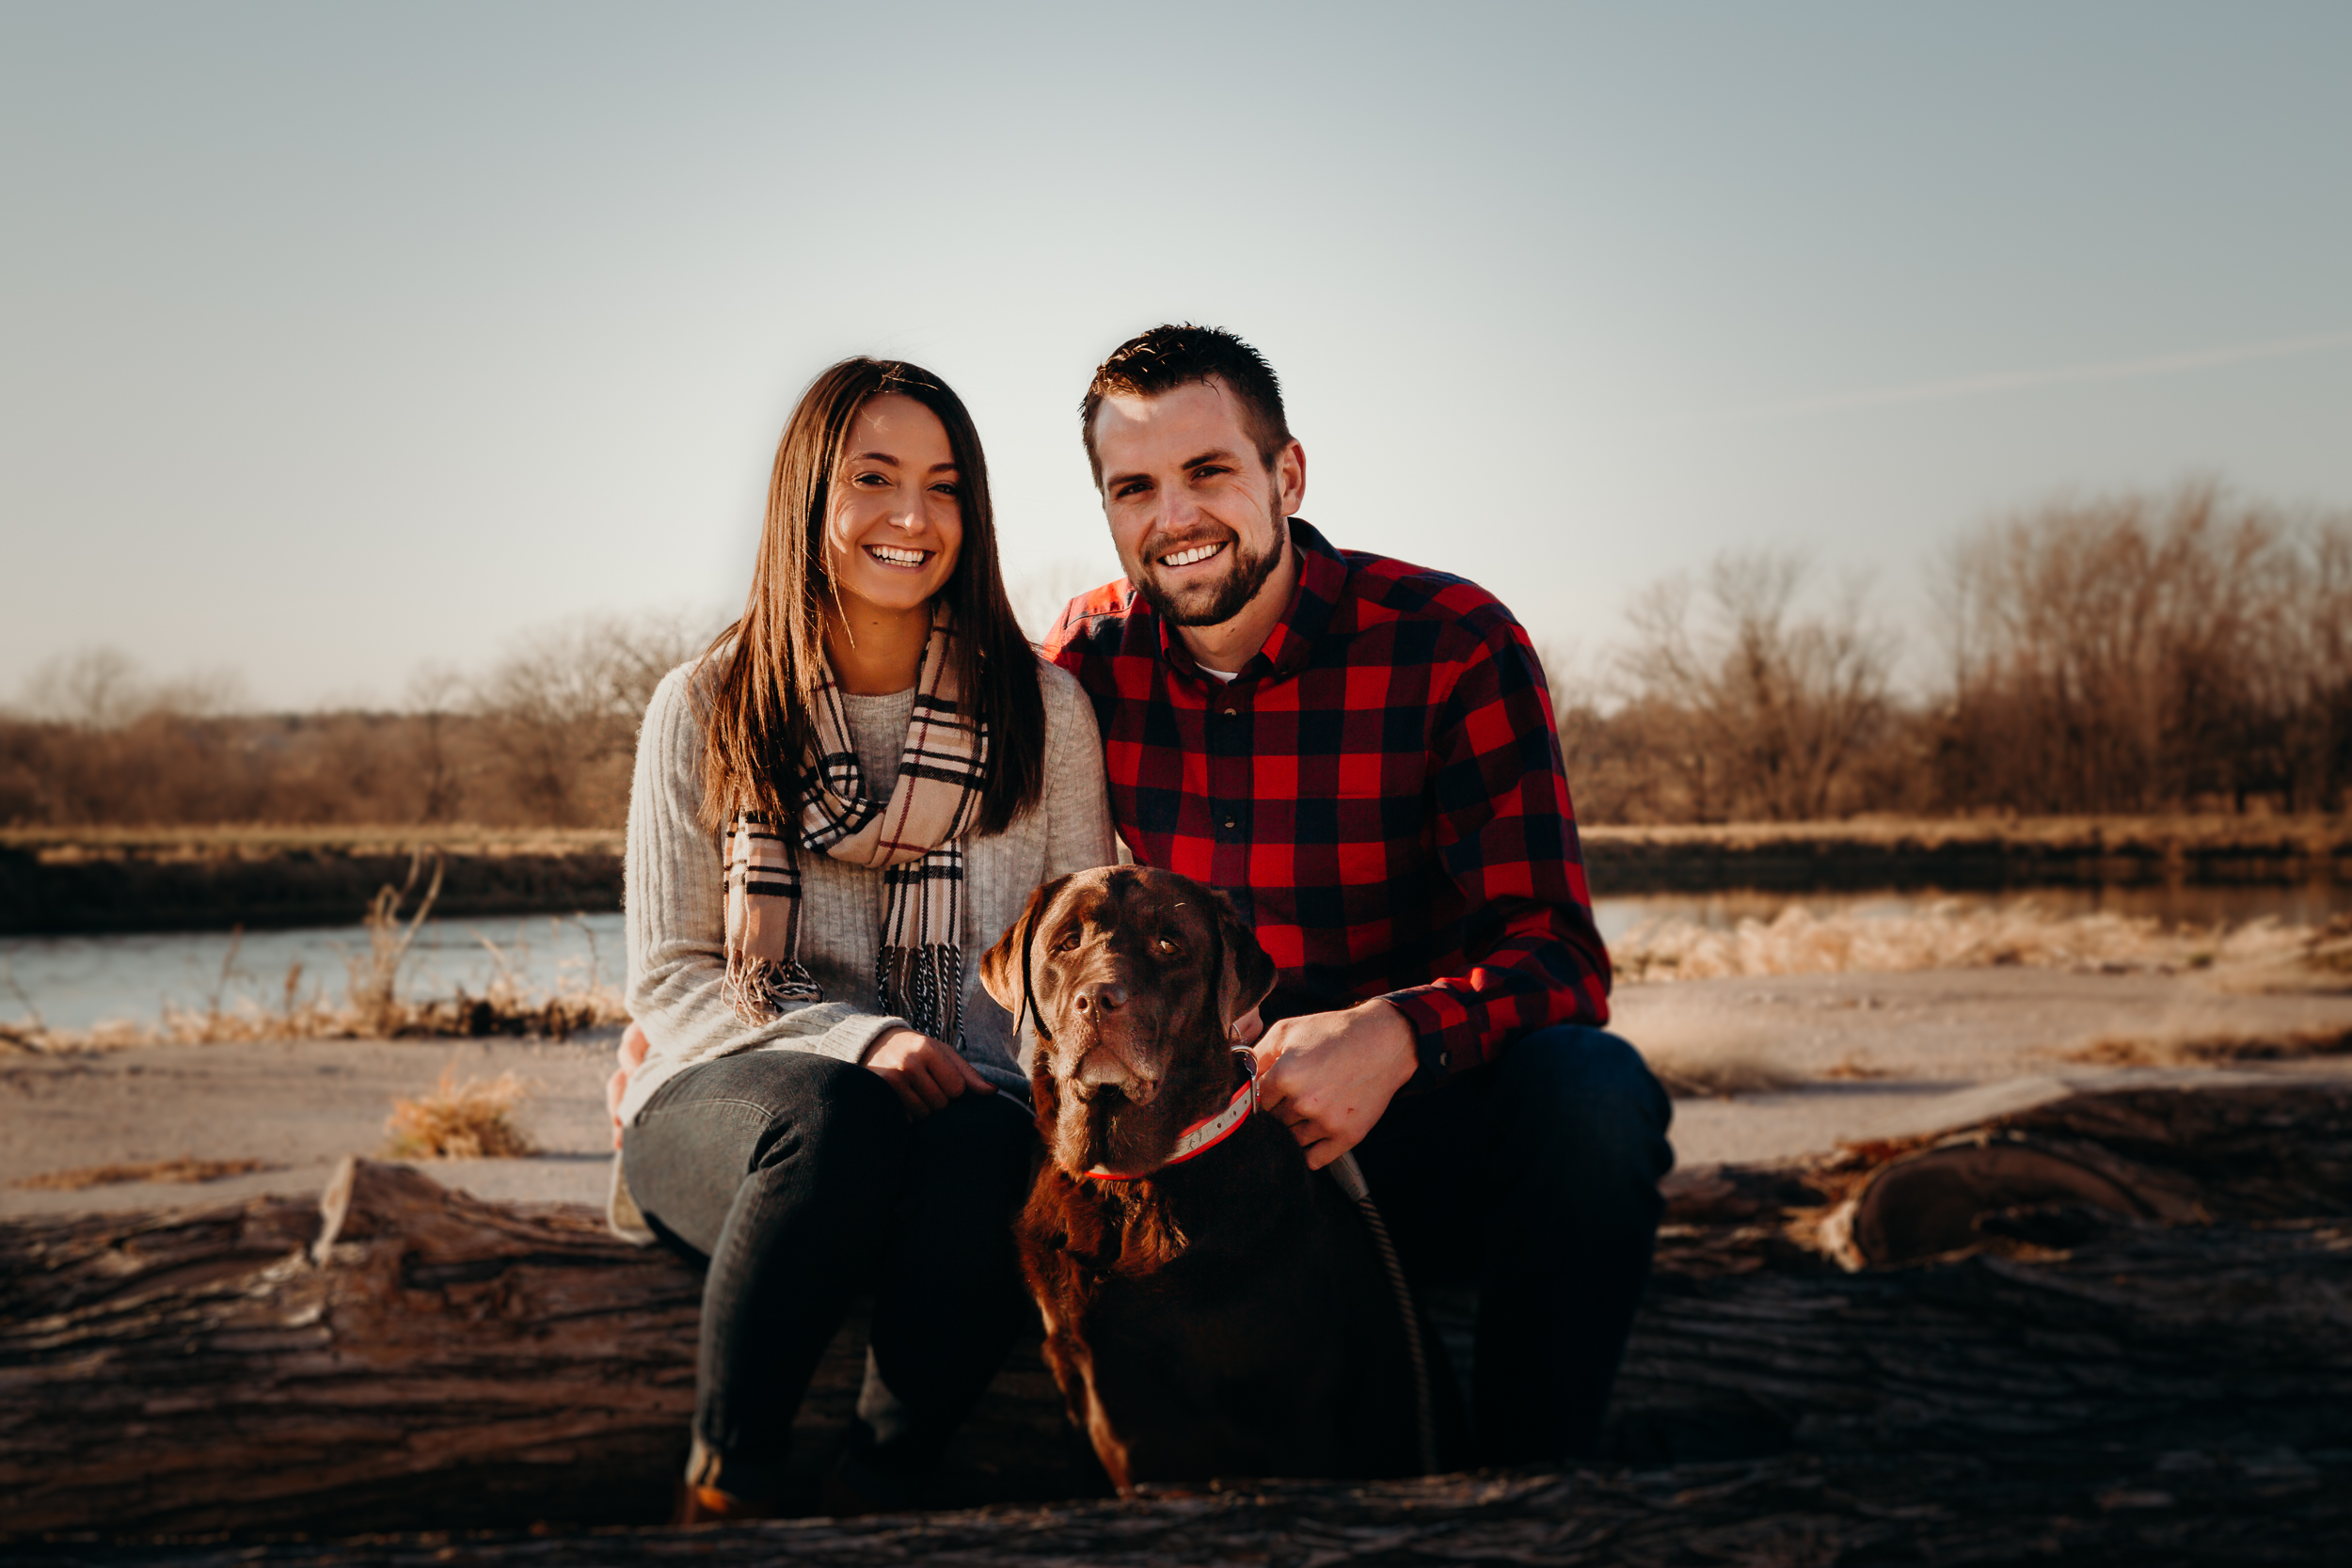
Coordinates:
1212 1306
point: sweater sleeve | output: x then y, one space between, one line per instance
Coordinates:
677 919
1077 807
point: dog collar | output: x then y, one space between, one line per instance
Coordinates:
1202 1135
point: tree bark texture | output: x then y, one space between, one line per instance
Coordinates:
424 1360
2091 1511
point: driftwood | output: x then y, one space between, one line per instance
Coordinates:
1808 1512
2149 1278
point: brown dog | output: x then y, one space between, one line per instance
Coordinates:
1212 1306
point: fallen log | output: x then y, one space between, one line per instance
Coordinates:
419 1359
1852 1511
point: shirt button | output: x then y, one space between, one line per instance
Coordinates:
1228 824
1444 1059
1229 713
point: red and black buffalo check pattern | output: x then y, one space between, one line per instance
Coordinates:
1380 791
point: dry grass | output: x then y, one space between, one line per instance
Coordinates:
473 1120
201 843
1949 935
371 1007
2212 1049
2311 834
185 1168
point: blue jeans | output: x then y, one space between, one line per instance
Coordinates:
1536 1178
802 1181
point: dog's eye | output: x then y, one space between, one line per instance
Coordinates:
1066 943
1168 946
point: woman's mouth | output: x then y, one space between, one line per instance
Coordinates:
1191 555
891 555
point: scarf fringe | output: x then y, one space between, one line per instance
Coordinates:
757 989
924 986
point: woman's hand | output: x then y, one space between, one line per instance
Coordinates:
924 1074
632 1054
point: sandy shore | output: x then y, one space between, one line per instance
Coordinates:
1875 1055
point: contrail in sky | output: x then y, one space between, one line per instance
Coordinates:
2010 381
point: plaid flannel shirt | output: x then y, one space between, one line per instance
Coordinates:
1380 791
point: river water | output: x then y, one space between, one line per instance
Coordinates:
76 982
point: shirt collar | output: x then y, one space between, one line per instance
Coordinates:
1321 575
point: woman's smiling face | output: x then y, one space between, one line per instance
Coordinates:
895 518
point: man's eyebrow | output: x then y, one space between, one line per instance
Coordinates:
1219 454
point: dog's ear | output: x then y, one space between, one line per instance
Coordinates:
1001 967
1248 975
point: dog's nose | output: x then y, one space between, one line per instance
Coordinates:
1101 995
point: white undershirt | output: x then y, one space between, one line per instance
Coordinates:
1223 677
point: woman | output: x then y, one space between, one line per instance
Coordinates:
835 811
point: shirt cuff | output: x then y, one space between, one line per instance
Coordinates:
1432 1053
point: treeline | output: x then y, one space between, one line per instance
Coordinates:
2179 652
544 739
2182 652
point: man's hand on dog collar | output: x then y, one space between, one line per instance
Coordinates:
1328 1076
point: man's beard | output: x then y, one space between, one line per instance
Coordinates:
1213 604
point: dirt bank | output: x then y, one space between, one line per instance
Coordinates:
265 879
57 883
1971 855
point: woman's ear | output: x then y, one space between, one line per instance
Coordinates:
1001 968
1248 975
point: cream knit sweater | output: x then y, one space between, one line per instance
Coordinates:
675 900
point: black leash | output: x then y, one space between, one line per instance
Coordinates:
1350 1175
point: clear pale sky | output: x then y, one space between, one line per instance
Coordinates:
338 339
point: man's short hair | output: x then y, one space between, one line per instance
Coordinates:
1170 356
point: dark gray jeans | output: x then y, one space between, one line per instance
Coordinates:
800 1180
1536 1179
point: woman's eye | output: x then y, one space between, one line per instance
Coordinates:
949 487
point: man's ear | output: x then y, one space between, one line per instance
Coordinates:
1249 976
1000 966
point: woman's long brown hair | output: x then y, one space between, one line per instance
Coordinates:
762 673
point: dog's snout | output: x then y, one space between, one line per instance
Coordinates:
1100 996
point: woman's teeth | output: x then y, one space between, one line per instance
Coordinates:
1186 558
891 556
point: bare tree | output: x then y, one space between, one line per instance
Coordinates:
2141 651
565 704
433 697
1763 707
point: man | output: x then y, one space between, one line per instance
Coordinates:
1362 755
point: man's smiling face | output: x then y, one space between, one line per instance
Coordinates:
1198 520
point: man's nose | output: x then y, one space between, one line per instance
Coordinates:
1099 996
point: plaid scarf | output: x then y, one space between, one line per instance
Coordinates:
914 837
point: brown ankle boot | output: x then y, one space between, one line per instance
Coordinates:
707 1505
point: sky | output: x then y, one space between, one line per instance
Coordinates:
340 340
